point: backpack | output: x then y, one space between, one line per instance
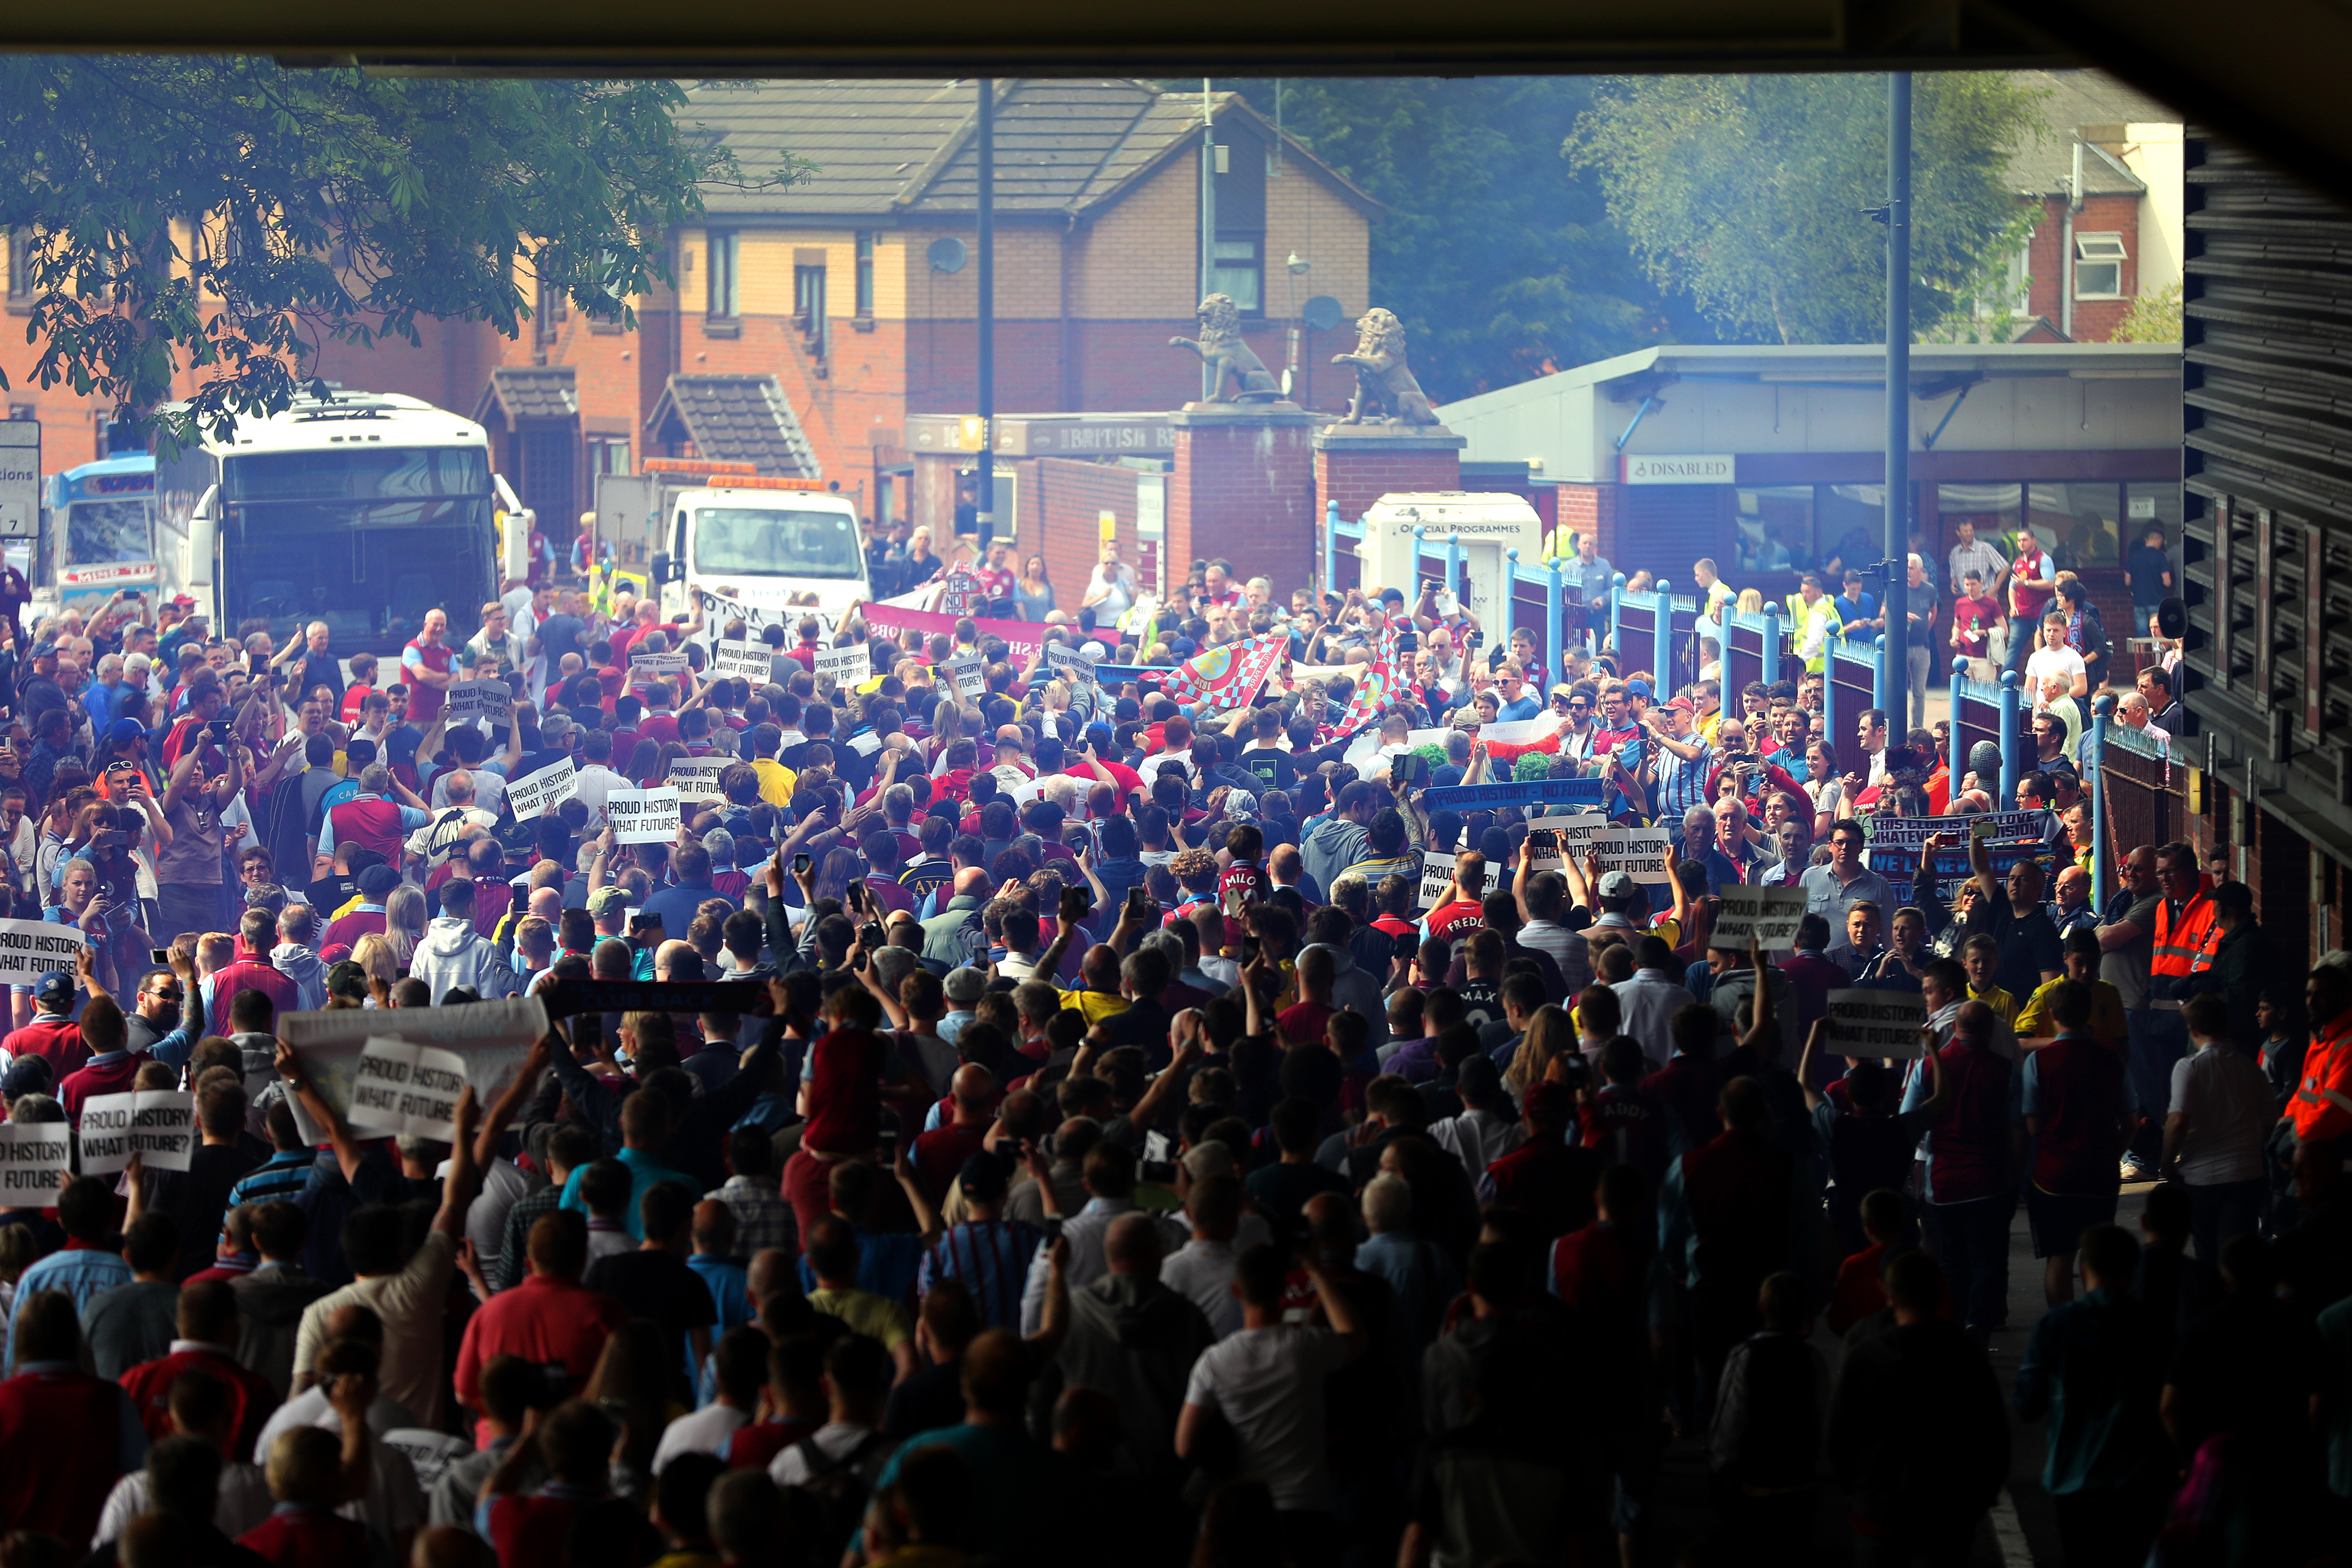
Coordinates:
839 1488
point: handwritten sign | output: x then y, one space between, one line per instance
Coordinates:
492 1038
30 949
35 1157
752 662
641 815
159 1125
535 795
969 674
1437 875
696 778
1068 664
1533 792
644 669
1910 832
1767 915
404 1089
1876 1023
480 699
1640 851
844 666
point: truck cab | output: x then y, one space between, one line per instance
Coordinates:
765 549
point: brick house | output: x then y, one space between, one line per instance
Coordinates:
2105 180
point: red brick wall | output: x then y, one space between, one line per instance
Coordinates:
1587 508
1066 526
1357 477
1245 492
2094 320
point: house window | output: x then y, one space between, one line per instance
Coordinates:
864 273
2099 265
808 308
20 264
1238 269
718 277
553 307
608 455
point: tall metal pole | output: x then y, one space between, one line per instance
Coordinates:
987 355
1209 377
1894 648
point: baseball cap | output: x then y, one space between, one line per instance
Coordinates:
604 900
984 1175
123 731
1640 688
1391 596
183 601
27 1075
964 984
1618 885
1184 648
377 881
1681 705
56 987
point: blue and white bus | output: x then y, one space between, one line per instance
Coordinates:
97 534
363 510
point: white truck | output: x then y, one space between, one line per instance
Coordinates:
768 550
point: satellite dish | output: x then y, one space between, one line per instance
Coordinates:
1323 313
946 254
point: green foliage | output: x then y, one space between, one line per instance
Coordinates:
229 216
1496 252
1746 191
1433 754
1531 765
2152 319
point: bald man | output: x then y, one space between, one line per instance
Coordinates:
940 1153
945 934
678 960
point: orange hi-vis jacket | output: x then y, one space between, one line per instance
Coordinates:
2327 1065
2183 948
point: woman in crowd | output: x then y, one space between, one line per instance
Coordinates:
1033 591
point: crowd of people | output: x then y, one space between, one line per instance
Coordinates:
1083 1133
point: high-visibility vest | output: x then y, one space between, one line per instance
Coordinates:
2313 1112
2182 949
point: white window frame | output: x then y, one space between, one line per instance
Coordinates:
2093 254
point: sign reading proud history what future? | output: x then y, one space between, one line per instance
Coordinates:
969 674
696 779
1868 1022
641 815
492 1038
845 666
30 949
35 1159
1639 851
480 699
1767 915
159 1125
407 1089
535 795
738 660
647 668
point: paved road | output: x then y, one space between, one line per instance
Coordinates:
2019 1533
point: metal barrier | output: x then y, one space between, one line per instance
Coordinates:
1342 568
1745 637
1976 716
1851 687
2142 789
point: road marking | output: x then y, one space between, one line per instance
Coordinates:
2010 1534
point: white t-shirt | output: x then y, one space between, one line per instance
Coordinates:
394 1501
242 1503
2228 1102
2046 662
1268 1385
704 1432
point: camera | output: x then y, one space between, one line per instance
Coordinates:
870 935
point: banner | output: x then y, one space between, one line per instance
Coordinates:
30 949
641 815
1910 832
569 998
1877 1022
845 666
407 1089
480 699
1533 792
717 612
1228 677
159 1125
35 1160
969 673
644 669
900 622
1900 863
1437 875
1768 915
533 795
492 1038
1376 682
752 662
1068 664
696 779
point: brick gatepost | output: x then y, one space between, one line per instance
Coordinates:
1242 489
1356 465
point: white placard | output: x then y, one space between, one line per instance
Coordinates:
1522 731
1638 850
480 699
535 795
1769 915
735 660
493 1039
647 668
845 666
30 949
157 1124
1910 832
1876 1023
969 674
1068 664
696 778
1437 875
35 1158
641 815
404 1089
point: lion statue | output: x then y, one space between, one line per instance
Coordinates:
1221 348
1384 383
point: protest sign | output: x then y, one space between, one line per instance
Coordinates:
717 612
641 815
1640 851
535 795
1767 915
492 1038
1899 863
1533 792
159 1125
1910 832
752 662
30 949
845 666
1437 875
1521 732
696 779
907 625
480 699
1876 1023
35 1157
644 669
969 674
404 1089
1068 664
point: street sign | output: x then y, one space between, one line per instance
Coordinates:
20 478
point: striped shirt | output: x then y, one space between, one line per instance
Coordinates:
1683 783
762 1218
81 1272
991 1257
283 1175
1978 557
